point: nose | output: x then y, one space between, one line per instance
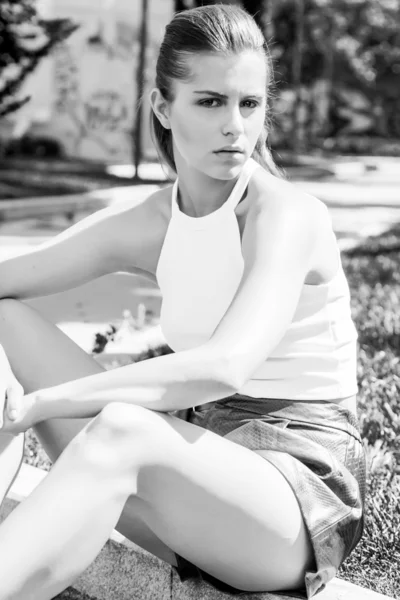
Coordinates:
233 123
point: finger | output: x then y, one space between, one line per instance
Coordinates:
13 402
2 406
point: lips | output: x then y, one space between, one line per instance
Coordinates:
230 149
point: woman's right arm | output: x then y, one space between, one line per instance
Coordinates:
109 240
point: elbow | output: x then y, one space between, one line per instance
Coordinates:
238 367
227 373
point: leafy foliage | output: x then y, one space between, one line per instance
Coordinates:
362 37
342 56
25 39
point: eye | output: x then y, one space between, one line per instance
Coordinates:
208 102
250 103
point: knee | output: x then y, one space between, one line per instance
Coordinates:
10 308
118 420
120 431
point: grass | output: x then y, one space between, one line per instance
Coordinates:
373 272
71 594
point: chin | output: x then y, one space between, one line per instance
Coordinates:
227 169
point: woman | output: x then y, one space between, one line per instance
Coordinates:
259 487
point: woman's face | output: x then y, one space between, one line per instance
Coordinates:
216 118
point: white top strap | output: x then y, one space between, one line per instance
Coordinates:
230 204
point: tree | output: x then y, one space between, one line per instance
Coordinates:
25 39
263 12
360 36
184 5
140 83
332 45
350 43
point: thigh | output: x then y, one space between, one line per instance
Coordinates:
223 507
41 355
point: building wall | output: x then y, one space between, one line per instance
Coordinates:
85 94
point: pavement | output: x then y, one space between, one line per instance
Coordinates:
125 571
362 195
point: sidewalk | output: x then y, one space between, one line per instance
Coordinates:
363 197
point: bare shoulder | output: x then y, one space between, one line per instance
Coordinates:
151 206
280 198
275 202
142 227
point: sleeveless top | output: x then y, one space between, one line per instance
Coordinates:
199 271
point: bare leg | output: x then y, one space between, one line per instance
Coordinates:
59 518
218 504
41 355
11 455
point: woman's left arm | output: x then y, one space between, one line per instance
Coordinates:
278 247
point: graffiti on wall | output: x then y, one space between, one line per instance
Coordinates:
66 80
117 44
126 37
105 111
92 106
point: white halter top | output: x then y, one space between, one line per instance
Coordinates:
199 271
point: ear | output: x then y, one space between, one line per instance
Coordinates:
160 107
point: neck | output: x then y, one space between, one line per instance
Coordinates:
200 194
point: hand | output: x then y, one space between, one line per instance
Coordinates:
11 391
20 419
16 410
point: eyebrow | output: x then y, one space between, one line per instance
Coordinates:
222 96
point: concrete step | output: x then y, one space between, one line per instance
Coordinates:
123 571
73 206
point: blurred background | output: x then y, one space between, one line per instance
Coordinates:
85 64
